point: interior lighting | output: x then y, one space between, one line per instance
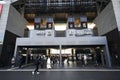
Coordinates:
2 2
60 26
30 27
91 25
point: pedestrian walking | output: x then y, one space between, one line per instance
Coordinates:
85 59
95 60
42 61
48 63
20 61
82 59
37 63
13 62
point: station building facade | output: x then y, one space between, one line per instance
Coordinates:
76 37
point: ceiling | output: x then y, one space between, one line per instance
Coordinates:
60 9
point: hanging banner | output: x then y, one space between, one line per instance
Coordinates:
1 6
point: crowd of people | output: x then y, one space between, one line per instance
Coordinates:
43 61
95 59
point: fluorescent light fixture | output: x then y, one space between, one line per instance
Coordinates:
64 51
2 2
60 26
91 25
30 27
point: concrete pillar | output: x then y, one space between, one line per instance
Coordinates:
102 57
60 62
3 23
72 54
16 54
116 8
107 56
27 52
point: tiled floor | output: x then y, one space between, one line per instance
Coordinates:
60 75
71 71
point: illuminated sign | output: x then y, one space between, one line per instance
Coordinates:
84 32
40 33
1 6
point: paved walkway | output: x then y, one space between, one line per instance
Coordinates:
61 74
66 72
93 70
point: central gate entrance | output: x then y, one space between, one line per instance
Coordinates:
65 56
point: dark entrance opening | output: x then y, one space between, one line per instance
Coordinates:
70 57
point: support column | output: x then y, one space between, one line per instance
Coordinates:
102 57
48 52
23 11
60 61
72 54
99 7
27 52
107 56
16 54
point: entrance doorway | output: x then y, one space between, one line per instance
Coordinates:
69 57
91 56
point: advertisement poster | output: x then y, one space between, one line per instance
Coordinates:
1 6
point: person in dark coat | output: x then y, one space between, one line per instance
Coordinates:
20 61
13 62
42 62
37 63
95 60
82 60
